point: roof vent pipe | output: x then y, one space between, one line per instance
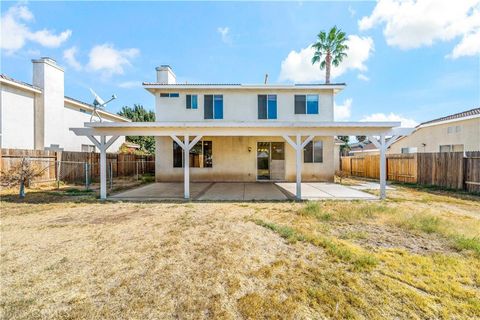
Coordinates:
266 78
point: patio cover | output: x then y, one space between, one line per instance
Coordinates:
296 133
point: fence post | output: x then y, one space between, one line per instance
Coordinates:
86 174
111 176
136 168
58 174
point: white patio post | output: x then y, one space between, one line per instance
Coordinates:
103 169
186 146
298 167
298 146
383 145
103 145
383 167
186 168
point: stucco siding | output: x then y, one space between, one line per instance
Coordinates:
232 161
467 133
17 118
242 106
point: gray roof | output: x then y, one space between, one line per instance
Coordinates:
238 84
459 115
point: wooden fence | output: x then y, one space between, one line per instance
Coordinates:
73 167
400 167
453 170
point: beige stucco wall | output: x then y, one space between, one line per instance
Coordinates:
242 105
233 162
436 135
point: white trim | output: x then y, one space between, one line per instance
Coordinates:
20 85
216 123
195 87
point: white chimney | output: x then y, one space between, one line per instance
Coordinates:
49 106
165 75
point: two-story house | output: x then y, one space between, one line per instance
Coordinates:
243 158
241 132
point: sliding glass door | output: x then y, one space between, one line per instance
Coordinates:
270 161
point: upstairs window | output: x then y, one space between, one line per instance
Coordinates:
169 95
267 106
306 104
213 106
192 101
313 152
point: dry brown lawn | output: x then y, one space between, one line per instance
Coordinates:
68 256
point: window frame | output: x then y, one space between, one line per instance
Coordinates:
217 109
270 105
191 101
169 95
307 108
311 145
176 148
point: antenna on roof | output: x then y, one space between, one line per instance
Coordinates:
266 78
99 103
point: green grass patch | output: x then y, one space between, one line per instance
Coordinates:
285 232
342 251
426 223
465 243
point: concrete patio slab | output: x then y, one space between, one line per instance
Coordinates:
323 190
308 191
223 191
338 191
164 190
240 191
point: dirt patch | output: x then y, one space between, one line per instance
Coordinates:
374 237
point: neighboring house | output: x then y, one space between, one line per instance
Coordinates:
456 132
364 147
38 115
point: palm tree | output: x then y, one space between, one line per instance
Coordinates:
329 49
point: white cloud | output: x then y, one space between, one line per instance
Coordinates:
416 23
406 122
343 111
130 84
70 57
108 60
468 46
363 77
351 11
297 66
15 33
225 34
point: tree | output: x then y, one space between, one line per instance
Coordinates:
344 148
361 138
329 49
20 175
139 114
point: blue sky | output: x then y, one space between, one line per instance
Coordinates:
405 63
